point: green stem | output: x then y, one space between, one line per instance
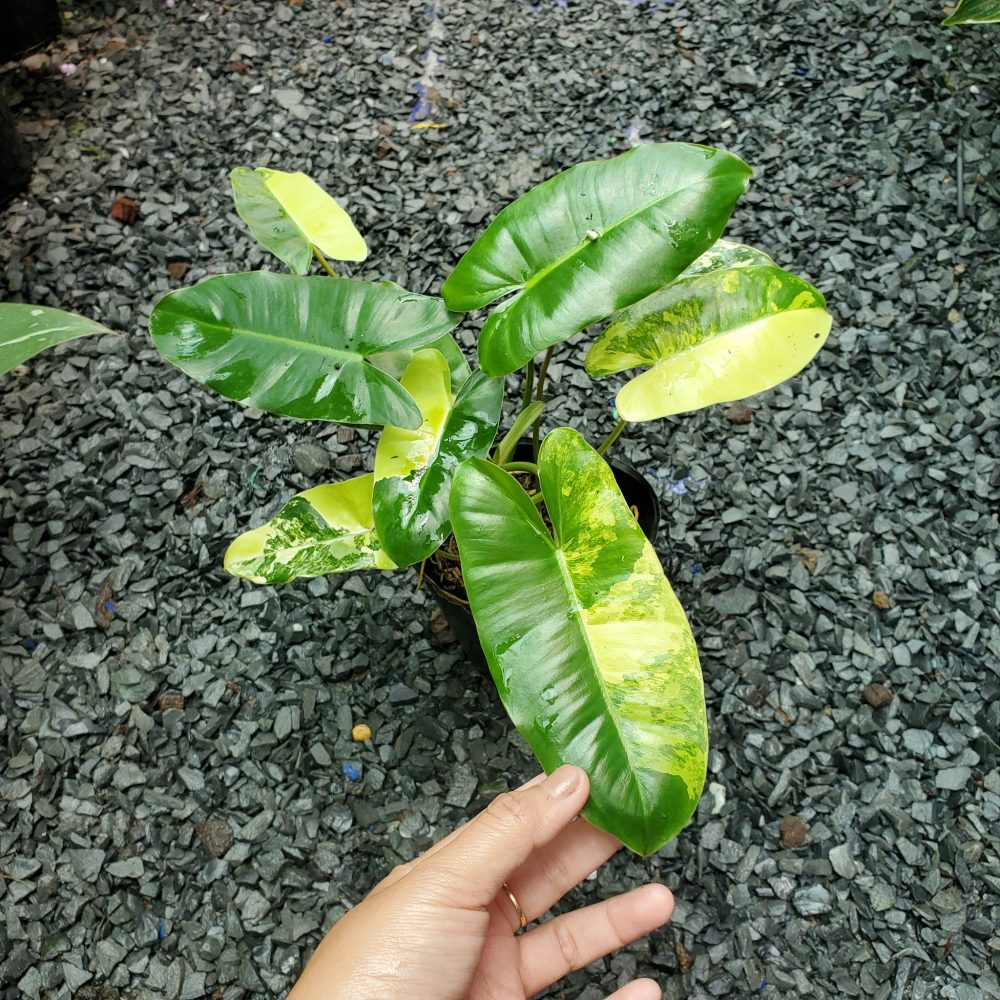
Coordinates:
326 264
529 384
536 498
540 398
542 374
520 467
612 437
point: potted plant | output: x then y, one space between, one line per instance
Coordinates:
28 24
15 162
589 648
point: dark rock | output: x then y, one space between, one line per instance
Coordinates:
402 694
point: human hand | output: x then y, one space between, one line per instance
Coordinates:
444 927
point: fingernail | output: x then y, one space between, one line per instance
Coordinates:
562 781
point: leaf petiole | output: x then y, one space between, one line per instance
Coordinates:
612 437
540 398
326 264
529 384
524 420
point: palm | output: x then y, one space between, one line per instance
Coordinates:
440 928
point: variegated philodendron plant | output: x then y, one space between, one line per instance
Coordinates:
589 648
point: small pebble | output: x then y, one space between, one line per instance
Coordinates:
360 733
216 837
793 830
877 695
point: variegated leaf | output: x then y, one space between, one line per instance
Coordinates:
414 468
301 347
328 529
974 12
290 214
732 325
588 646
25 330
590 241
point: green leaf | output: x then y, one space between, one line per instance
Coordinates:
414 468
328 529
734 324
301 347
517 430
974 12
589 648
25 330
290 214
394 363
590 241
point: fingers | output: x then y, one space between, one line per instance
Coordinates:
560 946
638 989
558 866
472 867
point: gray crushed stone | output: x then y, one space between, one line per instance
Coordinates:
842 533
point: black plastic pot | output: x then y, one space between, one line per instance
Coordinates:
15 163
25 25
638 493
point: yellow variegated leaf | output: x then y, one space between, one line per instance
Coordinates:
402 451
732 325
290 214
413 468
328 529
589 648
325 224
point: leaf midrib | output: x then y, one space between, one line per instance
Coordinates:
312 545
260 335
577 610
559 261
735 331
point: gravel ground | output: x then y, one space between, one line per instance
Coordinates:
182 809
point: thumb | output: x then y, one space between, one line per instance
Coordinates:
499 840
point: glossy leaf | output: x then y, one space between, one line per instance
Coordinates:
590 241
414 468
734 324
328 529
301 347
394 363
290 214
26 330
589 647
974 12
